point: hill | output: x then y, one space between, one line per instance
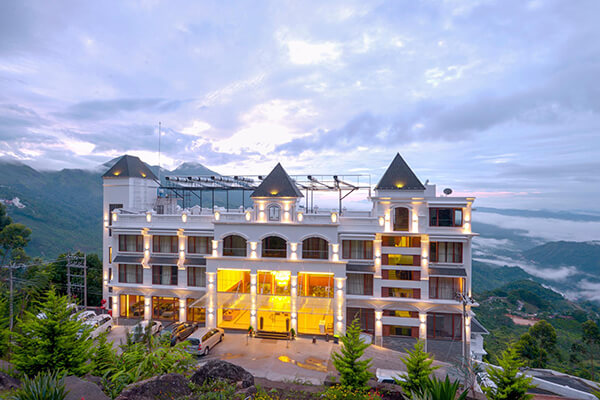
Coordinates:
584 255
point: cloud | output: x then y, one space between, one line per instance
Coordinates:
304 53
553 274
102 109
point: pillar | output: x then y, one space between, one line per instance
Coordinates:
339 312
424 267
182 310
115 306
253 296
467 338
334 254
211 303
147 307
377 253
147 241
378 328
294 303
423 329
182 246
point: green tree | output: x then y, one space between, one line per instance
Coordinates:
531 351
52 340
13 237
104 356
419 367
354 372
510 384
591 338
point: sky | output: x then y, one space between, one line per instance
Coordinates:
497 99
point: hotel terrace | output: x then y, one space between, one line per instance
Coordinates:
276 262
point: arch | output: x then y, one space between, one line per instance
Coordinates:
315 234
235 233
274 247
315 247
401 219
234 246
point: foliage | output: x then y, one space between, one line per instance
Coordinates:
104 356
437 389
354 373
13 237
214 390
419 367
45 386
531 351
341 392
55 341
588 345
510 384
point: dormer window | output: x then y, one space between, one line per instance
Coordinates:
274 213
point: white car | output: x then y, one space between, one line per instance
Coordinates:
100 324
483 378
204 339
86 316
388 375
142 326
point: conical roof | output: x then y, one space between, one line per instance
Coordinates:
399 176
129 167
277 184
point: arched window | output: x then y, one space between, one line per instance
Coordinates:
234 245
315 247
274 212
401 219
274 246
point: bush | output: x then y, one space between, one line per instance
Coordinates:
437 389
510 383
45 386
354 373
341 392
419 368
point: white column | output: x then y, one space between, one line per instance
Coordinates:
182 249
147 242
467 332
182 310
334 254
211 303
147 307
339 313
378 328
293 251
115 306
423 329
253 279
294 302
377 253
424 267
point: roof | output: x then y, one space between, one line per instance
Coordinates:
443 271
399 176
130 167
476 327
277 184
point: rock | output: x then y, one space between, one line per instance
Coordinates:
249 391
7 382
78 389
225 371
169 386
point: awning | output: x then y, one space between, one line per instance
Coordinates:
274 303
451 272
235 301
201 302
127 259
155 260
195 261
476 327
315 305
360 268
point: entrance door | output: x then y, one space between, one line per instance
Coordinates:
273 321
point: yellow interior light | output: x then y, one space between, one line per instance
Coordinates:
117 173
399 185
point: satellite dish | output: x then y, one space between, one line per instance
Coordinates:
447 191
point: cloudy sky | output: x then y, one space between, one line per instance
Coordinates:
496 98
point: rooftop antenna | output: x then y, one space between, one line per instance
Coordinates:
447 192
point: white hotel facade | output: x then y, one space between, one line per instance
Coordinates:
401 267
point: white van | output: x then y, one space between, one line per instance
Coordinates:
204 339
388 375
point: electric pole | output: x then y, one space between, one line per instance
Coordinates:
77 276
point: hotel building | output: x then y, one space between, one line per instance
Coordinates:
403 268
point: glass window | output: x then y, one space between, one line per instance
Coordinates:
396 330
274 212
195 314
444 288
361 284
132 243
232 280
165 308
131 306
234 246
130 273
164 275
366 316
399 292
315 248
444 326
318 285
274 246
445 217
199 244
357 249
274 283
401 241
397 259
401 219
196 276
400 275
164 244
450 252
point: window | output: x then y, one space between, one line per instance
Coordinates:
401 219
164 244
401 293
318 285
316 248
444 288
131 306
195 314
359 284
234 246
196 276
397 259
164 275
366 316
165 308
110 255
445 217
133 243
396 330
274 246
395 275
401 241
130 273
231 280
199 244
444 326
274 212
357 249
448 252
274 283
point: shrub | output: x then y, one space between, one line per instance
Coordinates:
45 386
437 389
340 392
510 383
354 373
419 368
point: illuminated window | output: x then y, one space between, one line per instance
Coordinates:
401 241
231 280
131 306
397 259
317 285
274 283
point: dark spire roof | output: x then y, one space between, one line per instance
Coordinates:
399 176
129 167
277 184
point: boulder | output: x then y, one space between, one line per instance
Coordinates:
169 386
78 389
7 382
225 371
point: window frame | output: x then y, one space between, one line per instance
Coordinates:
271 209
194 244
457 252
174 275
139 273
311 254
455 211
347 249
230 251
156 248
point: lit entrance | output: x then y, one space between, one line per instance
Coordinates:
274 321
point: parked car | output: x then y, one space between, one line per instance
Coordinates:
388 375
179 331
100 324
483 378
86 316
203 340
139 329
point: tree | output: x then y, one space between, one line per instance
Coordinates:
545 334
104 356
354 373
419 367
13 236
530 350
591 337
510 383
51 340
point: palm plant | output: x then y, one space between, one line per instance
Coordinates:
45 386
437 389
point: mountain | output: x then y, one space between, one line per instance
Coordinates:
584 255
64 208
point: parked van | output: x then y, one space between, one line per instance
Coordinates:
203 340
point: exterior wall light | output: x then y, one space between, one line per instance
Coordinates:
248 216
381 221
217 215
148 217
114 217
334 217
184 218
300 217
